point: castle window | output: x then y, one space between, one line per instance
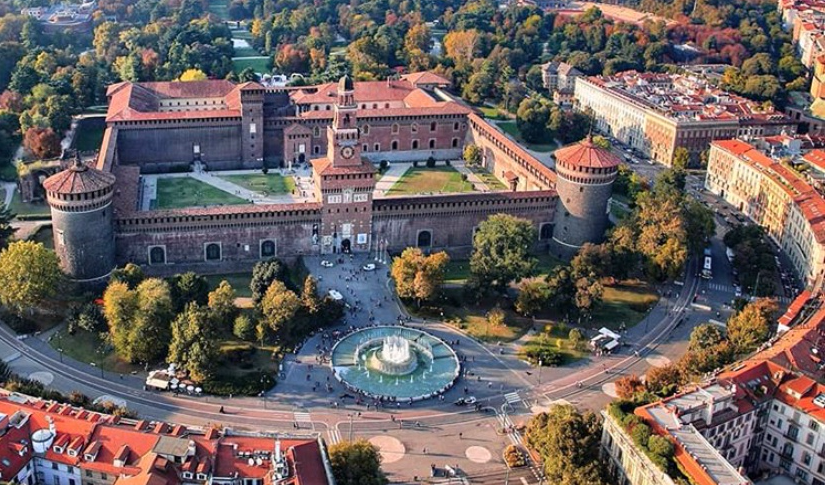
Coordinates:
425 239
395 128
432 142
414 127
374 105
365 130
546 231
316 149
316 131
433 125
365 148
377 147
455 126
157 255
455 142
212 251
415 144
395 144
267 248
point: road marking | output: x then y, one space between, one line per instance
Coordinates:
512 398
523 480
334 435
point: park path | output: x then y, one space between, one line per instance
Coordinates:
8 191
474 179
391 176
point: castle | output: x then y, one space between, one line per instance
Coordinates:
343 131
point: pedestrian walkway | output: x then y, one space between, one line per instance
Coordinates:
8 190
478 184
390 177
732 289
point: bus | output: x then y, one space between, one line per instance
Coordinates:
707 267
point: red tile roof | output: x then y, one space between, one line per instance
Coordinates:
585 153
78 179
426 78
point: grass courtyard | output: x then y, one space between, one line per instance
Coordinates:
26 209
458 271
511 129
89 135
179 192
419 180
239 282
258 64
269 184
491 180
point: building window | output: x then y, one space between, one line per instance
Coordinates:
432 143
54 466
316 131
546 231
425 239
365 130
414 127
433 126
377 147
267 248
455 142
212 251
415 144
157 255
455 126
89 473
395 144
316 149
395 128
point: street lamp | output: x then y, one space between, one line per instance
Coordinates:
350 427
540 366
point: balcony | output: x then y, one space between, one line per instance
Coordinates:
791 436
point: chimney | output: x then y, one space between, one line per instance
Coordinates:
709 411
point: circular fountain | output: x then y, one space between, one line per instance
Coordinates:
394 363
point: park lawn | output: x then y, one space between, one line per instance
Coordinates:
262 359
87 347
442 179
270 184
490 113
618 211
246 52
258 64
241 34
458 271
8 172
45 236
239 282
625 303
491 180
511 129
88 137
557 339
178 192
29 209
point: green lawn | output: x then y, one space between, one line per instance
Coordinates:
430 180
625 303
511 129
219 8
490 112
270 184
241 34
491 180
239 282
28 209
87 347
260 65
45 236
246 52
178 192
554 338
88 136
458 271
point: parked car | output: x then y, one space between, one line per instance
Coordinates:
327 264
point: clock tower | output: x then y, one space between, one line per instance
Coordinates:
344 182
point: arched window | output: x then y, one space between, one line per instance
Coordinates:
395 128
395 144
455 142
267 249
415 144
432 142
213 252
414 127
316 132
365 130
425 239
455 126
377 147
157 255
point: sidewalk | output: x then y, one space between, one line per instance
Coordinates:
478 184
391 176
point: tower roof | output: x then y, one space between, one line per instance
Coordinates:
585 153
345 83
78 179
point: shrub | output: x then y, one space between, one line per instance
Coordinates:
463 177
383 165
19 324
548 356
242 355
265 170
514 457
640 434
431 162
244 327
448 162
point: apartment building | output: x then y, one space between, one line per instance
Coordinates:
657 113
772 194
47 443
764 415
560 80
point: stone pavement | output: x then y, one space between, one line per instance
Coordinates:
395 171
478 184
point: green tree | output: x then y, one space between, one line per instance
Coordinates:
356 463
263 274
279 305
700 224
119 308
131 275
751 327
188 288
568 443
244 327
501 252
150 333
588 293
221 302
309 296
29 274
6 231
532 119
472 155
192 345
664 381
532 297
681 158
418 276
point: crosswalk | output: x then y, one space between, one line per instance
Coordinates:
731 289
303 418
334 435
512 398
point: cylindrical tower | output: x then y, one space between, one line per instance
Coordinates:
584 182
81 203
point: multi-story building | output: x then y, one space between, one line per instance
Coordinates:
47 443
763 415
776 197
560 80
63 16
657 113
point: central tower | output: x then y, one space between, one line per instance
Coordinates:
344 182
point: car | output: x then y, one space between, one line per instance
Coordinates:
471 400
460 402
327 264
738 292
368 267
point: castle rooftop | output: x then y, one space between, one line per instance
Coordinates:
585 153
78 179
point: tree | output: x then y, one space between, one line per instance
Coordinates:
131 275
263 274
189 287
532 119
279 305
150 333
751 327
681 158
568 443
221 302
662 238
629 386
192 75
700 224
501 252
29 274
42 142
244 327
472 155
6 231
192 344
664 381
356 463
119 308
418 276
495 317
532 297
588 294
309 296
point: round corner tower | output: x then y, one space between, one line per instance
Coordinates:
80 198
584 182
